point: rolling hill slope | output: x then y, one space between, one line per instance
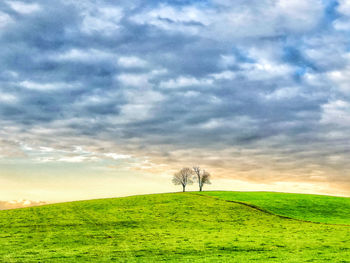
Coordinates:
315 208
181 227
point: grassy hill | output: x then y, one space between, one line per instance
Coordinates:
315 208
181 227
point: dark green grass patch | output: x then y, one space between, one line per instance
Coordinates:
180 227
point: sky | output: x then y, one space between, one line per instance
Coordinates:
109 98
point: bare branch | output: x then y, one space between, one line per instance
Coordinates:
183 177
201 176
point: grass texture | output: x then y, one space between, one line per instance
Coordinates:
180 227
315 208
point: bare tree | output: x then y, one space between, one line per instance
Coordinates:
201 176
183 177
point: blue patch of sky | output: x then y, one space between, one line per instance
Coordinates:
293 56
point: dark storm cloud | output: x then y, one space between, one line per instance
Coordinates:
179 73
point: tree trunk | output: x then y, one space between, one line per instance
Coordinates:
183 188
200 188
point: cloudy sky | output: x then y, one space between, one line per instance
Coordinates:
108 98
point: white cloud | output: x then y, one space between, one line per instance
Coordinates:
24 8
336 112
85 55
344 7
117 156
227 60
284 93
132 62
238 19
326 51
76 159
265 69
340 79
183 81
137 80
191 94
315 79
103 20
140 106
31 85
7 98
299 15
46 149
227 74
229 123
181 19
5 19
134 80
19 203
343 22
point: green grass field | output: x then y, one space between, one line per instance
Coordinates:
315 208
180 227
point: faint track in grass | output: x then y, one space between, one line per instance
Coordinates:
267 211
87 216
